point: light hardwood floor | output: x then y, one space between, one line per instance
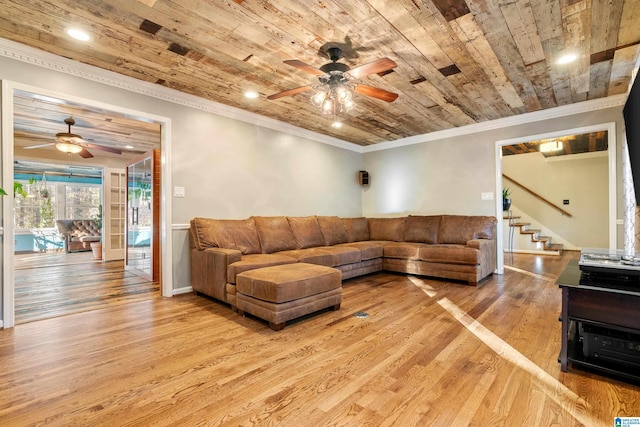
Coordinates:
431 353
52 284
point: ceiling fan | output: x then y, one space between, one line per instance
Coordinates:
72 143
337 81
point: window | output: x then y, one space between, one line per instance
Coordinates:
82 201
37 210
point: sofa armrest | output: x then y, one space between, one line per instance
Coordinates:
209 270
488 254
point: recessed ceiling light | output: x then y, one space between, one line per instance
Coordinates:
129 147
251 94
336 125
567 58
551 146
78 34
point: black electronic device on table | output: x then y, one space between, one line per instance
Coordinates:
610 268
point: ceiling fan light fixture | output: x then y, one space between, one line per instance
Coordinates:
69 138
318 98
327 105
331 96
68 147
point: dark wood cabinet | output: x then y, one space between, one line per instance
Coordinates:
592 313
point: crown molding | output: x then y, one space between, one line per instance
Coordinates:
40 58
535 116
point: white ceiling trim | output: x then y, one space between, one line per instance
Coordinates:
536 116
20 52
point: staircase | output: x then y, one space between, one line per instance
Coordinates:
535 236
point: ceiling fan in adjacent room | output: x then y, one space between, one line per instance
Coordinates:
338 82
72 143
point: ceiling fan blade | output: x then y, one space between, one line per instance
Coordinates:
375 92
289 92
382 64
39 145
304 67
85 154
102 147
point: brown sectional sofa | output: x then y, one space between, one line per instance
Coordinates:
447 246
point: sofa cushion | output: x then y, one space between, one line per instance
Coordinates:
368 249
422 229
357 228
459 229
311 256
279 285
306 231
226 233
450 254
404 250
275 234
391 229
333 230
253 261
343 254
485 227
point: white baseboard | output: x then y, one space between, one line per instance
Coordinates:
184 290
1 324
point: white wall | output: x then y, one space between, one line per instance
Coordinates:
449 175
583 180
232 169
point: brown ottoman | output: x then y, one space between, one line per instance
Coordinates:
284 292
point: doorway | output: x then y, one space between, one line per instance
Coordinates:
612 199
11 96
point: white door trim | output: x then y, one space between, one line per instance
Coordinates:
8 283
612 153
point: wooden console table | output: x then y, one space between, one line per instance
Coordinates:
595 306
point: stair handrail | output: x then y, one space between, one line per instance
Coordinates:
536 195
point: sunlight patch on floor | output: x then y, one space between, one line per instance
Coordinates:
567 399
528 273
423 286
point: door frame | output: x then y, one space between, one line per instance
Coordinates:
613 194
6 120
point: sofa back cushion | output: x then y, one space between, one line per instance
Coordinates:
333 230
240 235
306 231
386 229
78 227
458 229
421 229
275 234
357 229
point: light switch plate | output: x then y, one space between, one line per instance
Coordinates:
487 196
178 192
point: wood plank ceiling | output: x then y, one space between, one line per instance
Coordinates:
459 62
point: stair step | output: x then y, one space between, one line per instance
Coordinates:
555 247
536 237
513 217
530 231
